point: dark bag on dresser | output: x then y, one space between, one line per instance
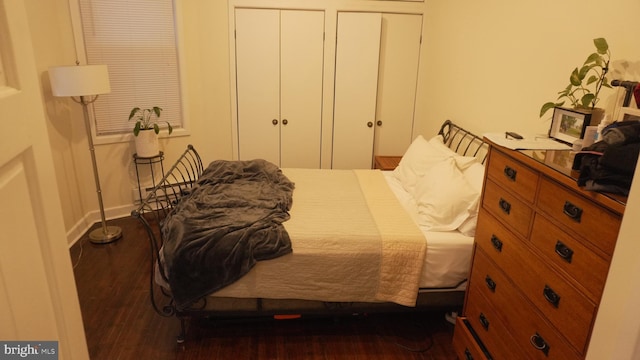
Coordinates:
608 165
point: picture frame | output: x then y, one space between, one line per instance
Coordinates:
629 114
569 125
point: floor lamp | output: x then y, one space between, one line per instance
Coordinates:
83 83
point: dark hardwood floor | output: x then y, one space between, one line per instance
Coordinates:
113 281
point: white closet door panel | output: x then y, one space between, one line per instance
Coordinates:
301 60
357 53
399 58
258 83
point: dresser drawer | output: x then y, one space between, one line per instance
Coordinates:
495 335
465 344
507 207
513 175
568 253
580 215
567 308
531 332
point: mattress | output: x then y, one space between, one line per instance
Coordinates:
339 264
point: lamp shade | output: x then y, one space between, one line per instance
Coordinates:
79 80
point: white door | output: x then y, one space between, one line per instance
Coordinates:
258 83
38 298
356 85
279 68
398 77
301 61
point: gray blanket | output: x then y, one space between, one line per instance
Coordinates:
232 218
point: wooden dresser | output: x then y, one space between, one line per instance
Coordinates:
541 256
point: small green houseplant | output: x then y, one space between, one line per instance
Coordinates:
586 82
146 131
147 119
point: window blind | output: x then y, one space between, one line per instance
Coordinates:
136 39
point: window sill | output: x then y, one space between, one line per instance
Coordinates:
123 138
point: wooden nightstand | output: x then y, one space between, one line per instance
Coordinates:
386 162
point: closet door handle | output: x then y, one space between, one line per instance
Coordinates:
510 173
370 124
285 121
274 121
572 211
379 122
538 342
564 251
551 296
505 206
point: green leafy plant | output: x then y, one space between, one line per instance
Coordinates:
147 119
586 82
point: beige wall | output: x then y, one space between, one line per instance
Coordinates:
490 65
487 65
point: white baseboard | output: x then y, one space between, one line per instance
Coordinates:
92 217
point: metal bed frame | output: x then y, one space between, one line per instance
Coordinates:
182 176
463 141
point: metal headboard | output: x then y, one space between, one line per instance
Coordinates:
463 141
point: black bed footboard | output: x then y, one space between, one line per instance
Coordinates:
159 202
178 180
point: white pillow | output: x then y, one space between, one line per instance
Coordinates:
419 157
462 162
474 175
444 197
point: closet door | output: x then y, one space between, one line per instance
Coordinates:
397 82
357 53
258 83
301 62
279 65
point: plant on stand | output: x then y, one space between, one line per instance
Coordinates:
146 130
586 82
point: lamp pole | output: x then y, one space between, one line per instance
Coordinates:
105 234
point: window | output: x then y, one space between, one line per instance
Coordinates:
137 41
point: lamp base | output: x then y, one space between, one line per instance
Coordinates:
99 236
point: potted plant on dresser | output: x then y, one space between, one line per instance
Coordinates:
146 130
585 84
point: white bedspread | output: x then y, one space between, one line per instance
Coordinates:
352 241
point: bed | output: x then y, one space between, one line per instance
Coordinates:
238 238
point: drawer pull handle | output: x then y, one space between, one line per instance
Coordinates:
505 206
572 211
551 296
497 243
538 342
490 283
467 354
564 251
510 173
483 321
